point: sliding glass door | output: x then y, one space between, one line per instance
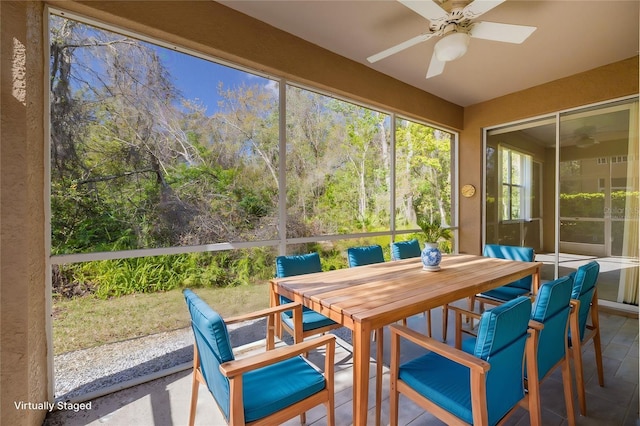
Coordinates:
567 185
599 194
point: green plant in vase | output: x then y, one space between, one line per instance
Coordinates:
433 232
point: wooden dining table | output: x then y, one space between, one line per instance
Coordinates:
367 298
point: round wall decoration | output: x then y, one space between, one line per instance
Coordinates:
468 190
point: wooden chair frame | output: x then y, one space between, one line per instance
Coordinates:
481 301
297 333
532 387
592 332
234 370
478 369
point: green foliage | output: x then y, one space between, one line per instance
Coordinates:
82 222
136 165
333 259
591 204
585 204
433 230
114 278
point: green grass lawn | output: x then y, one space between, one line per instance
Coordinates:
85 322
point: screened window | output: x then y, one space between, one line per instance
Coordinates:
516 177
155 148
423 173
338 166
170 170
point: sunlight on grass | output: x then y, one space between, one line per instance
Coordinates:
85 322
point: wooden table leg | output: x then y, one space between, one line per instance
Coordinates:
536 281
379 360
361 356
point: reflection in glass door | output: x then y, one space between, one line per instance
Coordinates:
599 194
567 185
519 173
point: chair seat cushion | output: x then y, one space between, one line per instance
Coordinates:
505 293
271 389
442 381
310 320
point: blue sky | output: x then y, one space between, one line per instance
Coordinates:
198 78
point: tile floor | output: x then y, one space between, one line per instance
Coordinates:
165 401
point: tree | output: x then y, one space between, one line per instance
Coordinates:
423 164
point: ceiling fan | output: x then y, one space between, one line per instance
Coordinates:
585 136
456 28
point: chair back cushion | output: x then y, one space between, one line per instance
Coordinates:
405 249
552 308
502 334
287 266
359 256
214 347
301 264
523 254
584 285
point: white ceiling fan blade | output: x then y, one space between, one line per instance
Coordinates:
436 66
478 7
501 32
425 8
399 47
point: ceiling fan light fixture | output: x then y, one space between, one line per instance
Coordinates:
452 46
586 141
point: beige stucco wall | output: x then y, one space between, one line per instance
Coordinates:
23 348
601 84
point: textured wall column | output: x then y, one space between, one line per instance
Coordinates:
23 342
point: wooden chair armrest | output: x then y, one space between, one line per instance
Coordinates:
263 313
440 348
489 300
463 311
241 366
536 325
575 304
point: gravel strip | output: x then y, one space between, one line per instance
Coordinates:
87 371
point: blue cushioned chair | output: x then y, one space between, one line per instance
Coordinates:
522 287
366 255
551 309
480 388
259 389
510 291
585 300
406 250
312 322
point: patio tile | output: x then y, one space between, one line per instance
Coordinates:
165 401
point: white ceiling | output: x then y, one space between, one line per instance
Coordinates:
571 37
